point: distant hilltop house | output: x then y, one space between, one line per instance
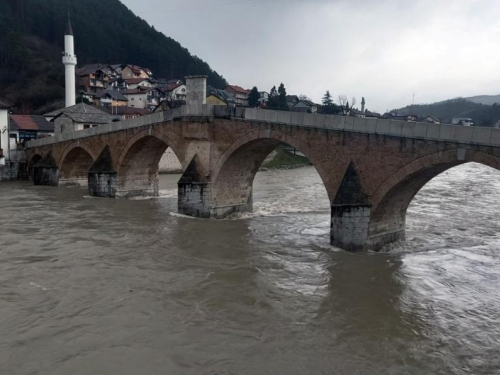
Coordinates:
239 94
462 121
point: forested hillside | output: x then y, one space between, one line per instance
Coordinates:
32 39
482 115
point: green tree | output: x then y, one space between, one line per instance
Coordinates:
327 99
273 99
282 104
253 98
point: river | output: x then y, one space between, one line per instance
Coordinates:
103 286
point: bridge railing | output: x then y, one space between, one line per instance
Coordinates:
396 128
403 129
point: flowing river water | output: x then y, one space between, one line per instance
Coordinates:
103 286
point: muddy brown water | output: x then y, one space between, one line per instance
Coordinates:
102 286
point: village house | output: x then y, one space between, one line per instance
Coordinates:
78 117
219 97
292 100
4 131
23 128
118 84
134 71
306 106
175 91
134 83
432 120
144 97
110 99
92 78
239 94
264 96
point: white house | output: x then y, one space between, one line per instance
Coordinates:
4 131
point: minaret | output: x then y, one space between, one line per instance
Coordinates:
69 61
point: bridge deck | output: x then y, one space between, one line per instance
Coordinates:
412 130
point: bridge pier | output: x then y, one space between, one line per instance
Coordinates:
351 214
45 172
102 177
194 192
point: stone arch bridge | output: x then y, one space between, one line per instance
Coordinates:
371 168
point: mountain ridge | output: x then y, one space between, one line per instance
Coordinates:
32 37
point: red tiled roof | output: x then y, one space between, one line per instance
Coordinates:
133 81
171 86
27 122
238 89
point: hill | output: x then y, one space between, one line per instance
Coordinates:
32 38
484 99
481 114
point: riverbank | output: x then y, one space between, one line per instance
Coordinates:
283 158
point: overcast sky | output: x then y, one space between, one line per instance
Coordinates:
384 50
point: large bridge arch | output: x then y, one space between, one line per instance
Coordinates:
138 164
74 165
392 198
235 171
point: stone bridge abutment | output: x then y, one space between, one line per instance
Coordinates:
370 177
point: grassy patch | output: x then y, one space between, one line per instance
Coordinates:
285 159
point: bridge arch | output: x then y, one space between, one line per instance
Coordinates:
235 171
392 198
138 164
31 163
74 165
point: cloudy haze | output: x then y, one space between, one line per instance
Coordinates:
384 50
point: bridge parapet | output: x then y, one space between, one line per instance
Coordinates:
400 129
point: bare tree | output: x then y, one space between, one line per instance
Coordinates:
353 102
342 99
304 97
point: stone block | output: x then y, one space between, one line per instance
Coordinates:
251 113
482 135
447 132
383 126
495 137
360 124
396 128
308 119
271 116
348 123
337 122
463 134
284 117
261 115
408 129
433 131
297 118
319 121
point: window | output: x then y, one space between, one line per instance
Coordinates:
86 126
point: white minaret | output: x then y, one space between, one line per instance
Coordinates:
69 61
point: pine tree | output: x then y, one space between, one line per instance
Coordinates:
282 104
253 98
273 99
327 99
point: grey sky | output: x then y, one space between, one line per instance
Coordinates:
384 50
